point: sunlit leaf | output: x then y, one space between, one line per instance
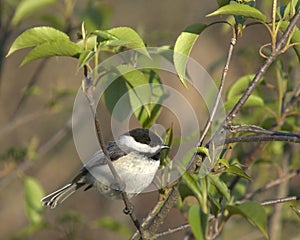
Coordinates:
224 162
239 10
53 48
203 150
88 44
138 87
128 34
252 101
183 48
85 57
35 36
134 90
114 43
154 102
239 86
104 35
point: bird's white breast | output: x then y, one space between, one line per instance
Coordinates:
136 172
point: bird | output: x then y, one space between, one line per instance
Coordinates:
135 156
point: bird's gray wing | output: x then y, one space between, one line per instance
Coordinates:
98 159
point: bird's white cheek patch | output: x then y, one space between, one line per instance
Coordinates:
129 142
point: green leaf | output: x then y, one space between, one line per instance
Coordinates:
112 94
168 139
198 222
239 10
237 89
198 187
184 191
154 103
105 45
138 87
36 36
140 92
224 162
169 136
239 86
89 43
183 48
252 101
114 43
295 39
203 150
33 195
253 212
286 11
128 34
104 35
238 171
219 185
53 48
111 224
84 58
29 7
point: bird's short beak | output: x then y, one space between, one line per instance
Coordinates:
165 147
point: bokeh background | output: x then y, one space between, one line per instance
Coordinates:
36 103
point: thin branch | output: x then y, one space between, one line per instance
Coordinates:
151 214
262 70
88 90
262 48
221 87
292 139
273 183
250 128
159 218
292 101
280 200
172 230
171 196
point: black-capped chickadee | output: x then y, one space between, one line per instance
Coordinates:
135 156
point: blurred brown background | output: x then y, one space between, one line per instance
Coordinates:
27 120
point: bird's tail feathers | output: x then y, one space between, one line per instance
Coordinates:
57 197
